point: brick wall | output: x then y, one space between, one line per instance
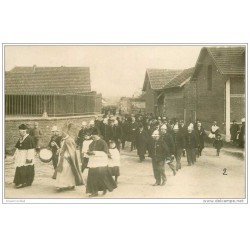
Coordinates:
190 100
12 133
174 103
237 111
210 104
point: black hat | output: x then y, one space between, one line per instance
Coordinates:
23 127
95 132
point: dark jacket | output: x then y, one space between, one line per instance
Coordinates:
218 144
115 133
104 129
124 130
57 139
159 150
179 140
142 139
80 138
191 140
132 131
168 139
201 134
234 131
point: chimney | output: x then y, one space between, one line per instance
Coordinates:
34 68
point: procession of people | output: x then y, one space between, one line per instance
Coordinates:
99 143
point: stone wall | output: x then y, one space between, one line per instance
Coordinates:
45 124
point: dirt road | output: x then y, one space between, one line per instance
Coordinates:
204 180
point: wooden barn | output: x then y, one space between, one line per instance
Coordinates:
154 82
50 91
219 86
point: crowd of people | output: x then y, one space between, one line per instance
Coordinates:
100 142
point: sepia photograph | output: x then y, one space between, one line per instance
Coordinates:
127 122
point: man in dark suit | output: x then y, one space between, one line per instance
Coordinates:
168 139
132 132
191 145
159 150
141 140
234 131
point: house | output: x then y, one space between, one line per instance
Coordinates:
134 105
174 95
50 91
155 80
124 105
218 85
138 105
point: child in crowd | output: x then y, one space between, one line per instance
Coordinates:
114 160
218 143
85 148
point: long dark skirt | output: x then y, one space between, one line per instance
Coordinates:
24 175
114 171
100 179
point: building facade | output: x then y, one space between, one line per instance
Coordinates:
154 82
50 91
219 84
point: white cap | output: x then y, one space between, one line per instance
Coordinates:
105 120
175 127
156 133
163 126
191 126
54 129
84 123
243 120
91 122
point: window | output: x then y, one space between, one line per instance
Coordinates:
209 77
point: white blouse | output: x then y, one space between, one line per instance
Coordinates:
115 159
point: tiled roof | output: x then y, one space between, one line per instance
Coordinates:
229 60
47 80
180 79
158 78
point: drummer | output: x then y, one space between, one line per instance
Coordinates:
54 145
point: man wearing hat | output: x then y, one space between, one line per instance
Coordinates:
54 145
179 144
168 139
141 140
24 159
191 144
132 132
234 131
159 150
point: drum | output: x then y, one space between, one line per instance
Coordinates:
45 155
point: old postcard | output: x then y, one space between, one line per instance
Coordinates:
124 123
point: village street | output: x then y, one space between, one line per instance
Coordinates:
204 180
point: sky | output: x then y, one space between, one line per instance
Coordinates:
114 70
